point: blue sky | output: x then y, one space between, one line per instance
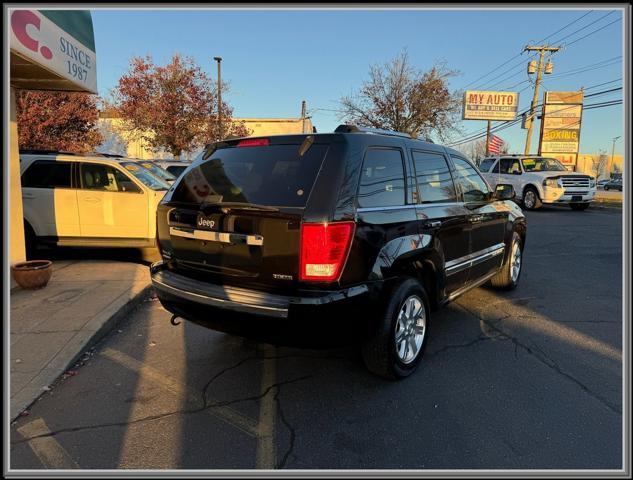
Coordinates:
273 59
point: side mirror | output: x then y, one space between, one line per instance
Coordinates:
504 191
517 172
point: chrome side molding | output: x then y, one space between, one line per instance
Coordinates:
223 237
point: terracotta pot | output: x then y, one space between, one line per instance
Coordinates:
33 274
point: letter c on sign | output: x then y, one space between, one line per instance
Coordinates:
20 19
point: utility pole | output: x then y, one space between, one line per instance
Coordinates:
303 116
488 138
539 75
219 60
612 155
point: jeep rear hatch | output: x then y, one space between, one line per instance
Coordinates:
236 217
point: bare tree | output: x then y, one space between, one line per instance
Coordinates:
475 150
399 97
599 165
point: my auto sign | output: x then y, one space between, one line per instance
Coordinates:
40 40
488 105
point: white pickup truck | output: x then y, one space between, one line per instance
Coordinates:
540 180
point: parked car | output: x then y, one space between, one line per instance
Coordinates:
357 225
540 180
601 183
614 184
175 167
92 201
158 170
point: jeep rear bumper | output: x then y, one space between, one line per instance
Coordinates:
173 288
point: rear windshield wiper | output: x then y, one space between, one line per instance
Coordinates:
239 206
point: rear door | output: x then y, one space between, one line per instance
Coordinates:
487 224
111 204
441 216
235 217
49 199
386 211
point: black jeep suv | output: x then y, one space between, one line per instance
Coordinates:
367 222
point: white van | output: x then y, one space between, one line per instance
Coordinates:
89 201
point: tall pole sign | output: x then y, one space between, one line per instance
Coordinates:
561 123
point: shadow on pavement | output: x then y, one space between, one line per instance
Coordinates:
144 256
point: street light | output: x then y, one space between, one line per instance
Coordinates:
219 59
612 154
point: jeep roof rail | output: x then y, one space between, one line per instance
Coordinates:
376 131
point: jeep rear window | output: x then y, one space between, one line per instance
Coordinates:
273 175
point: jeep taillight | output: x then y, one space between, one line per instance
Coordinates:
323 250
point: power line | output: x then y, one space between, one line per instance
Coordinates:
514 67
559 40
591 33
568 25
582 28
603 93
519 54
605 83
585 68
511 123
479 131
582 70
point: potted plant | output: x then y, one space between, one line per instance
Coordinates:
32 274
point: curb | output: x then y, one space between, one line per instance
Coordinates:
97 328
606 206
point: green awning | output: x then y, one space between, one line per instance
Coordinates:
76 22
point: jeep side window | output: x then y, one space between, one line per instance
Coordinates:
47 174
434 178
469 182
382 179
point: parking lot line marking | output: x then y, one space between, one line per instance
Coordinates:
225 413
266 455
47 449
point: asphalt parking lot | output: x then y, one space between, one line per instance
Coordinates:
530 379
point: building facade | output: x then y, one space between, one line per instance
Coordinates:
600 165
119 140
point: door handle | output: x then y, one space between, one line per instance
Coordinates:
476 218
92 199
28 195
434 224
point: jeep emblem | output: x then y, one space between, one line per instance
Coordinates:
203 222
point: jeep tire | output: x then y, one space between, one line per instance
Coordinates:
397 341
508 276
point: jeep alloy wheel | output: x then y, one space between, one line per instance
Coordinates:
410 329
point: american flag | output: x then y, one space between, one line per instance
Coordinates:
495 145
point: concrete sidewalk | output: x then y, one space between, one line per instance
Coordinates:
609 197
51 327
